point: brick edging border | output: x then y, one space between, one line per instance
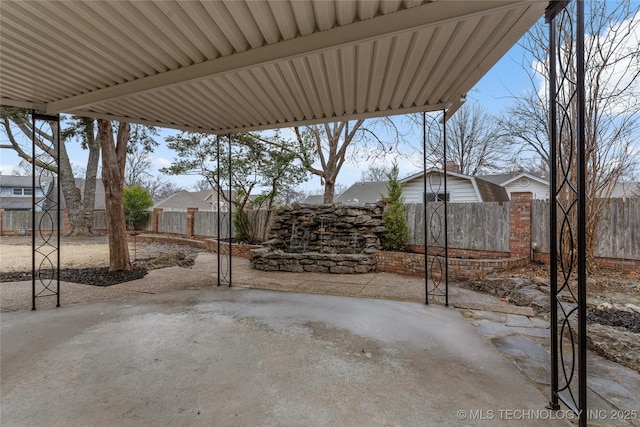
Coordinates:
459 268
407 263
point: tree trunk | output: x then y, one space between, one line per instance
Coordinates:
113 158
329 191
89 195
84 205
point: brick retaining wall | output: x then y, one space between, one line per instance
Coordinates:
459 268
626 265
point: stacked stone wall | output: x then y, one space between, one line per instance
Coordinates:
322 238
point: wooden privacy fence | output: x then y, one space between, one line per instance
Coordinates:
20 221
472 226
206 224
617 234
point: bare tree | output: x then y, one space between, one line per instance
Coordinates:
138 171
290 195
376 173
25 168
332 144
165 190
475 142
612 80
138 166
201 185
534 165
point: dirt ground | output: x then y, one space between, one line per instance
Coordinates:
93 252
76 252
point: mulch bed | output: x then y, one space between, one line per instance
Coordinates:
611 317
85 276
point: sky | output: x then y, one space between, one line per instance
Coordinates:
494 93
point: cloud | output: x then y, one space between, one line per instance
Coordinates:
161 161
618 79
6 169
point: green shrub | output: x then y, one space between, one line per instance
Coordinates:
396 233
137 202
241 225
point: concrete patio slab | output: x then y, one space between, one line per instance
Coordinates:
331 288
239 357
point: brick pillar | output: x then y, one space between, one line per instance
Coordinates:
520 224
190 216
154 220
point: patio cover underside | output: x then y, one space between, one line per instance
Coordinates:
231 66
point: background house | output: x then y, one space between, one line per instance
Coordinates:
519 182
16 192
315 199
460 188
98 204
626 189
204 200
363 192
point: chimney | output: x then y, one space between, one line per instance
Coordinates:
452 167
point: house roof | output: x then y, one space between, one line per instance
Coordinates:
316 199
235 65
186 199
485 190
491 192
15 203
99 202
15 181
508 178
498 178
363 192
626 189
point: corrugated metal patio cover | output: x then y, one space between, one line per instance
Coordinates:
234 65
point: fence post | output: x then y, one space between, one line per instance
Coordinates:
190 217
1 215
155 220
520 224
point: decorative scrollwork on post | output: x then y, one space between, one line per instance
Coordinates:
567 208
435 208
224 217
45 211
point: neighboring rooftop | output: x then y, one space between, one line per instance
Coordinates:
363 192
187 199
626 189
503 178
316 199
491 192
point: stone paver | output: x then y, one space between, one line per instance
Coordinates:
612 388
519 321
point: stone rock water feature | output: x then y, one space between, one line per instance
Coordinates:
322 238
